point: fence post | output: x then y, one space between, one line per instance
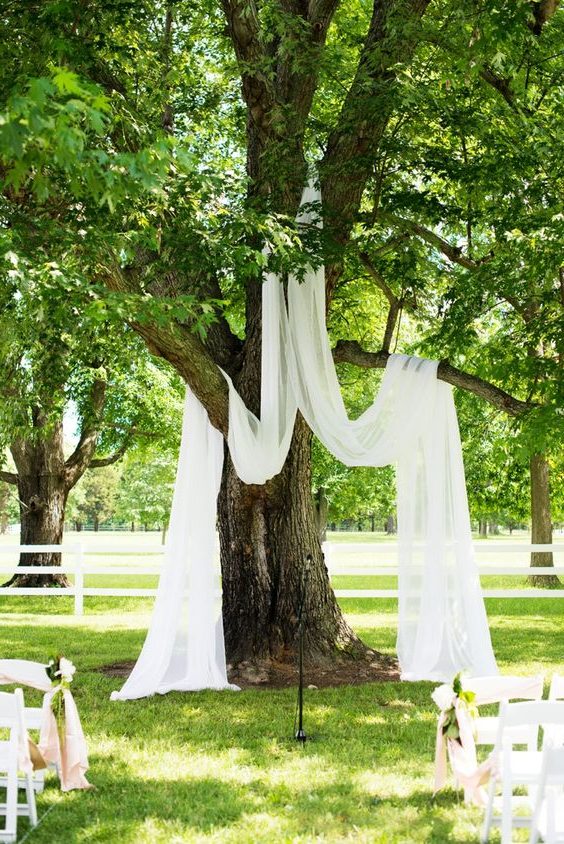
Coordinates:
79 581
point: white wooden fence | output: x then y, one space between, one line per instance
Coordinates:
76 562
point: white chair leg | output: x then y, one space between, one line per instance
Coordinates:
39 781
550 816
484 838
12 802
506 812
30 795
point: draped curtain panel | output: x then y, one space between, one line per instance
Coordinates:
184 648
412 424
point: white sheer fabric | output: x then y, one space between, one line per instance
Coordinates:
258 448
442 627
412 423
184 647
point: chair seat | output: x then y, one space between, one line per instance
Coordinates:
525 766
487 727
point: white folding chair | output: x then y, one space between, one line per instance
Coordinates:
12 719
516 767
497 689
32 674
548 813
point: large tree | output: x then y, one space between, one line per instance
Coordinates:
198 151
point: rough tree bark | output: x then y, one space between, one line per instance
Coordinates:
541 521
42 490
267 532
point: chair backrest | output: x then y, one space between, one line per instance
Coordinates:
543 713
551 777
496 688
556 687
12 715
8 709
24 672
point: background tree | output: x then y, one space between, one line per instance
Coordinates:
96 496
144 494
495 477
8 507
61 353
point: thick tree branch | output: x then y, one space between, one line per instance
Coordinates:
244 28
79 460
350 351
183 349
320 12
352 146
100 462
9 477
453 253
542 12
502 85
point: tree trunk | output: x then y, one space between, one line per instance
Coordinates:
266 535
483 528
541 522
4 499
390 526
42 513
43 490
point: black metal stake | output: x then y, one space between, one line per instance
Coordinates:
300 733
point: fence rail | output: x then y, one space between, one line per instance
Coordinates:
78 567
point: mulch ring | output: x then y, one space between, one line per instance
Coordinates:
281 675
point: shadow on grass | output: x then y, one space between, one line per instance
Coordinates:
122 804
128 809
181 766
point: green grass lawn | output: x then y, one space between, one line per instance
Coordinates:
222 767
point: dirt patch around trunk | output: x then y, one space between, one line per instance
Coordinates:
281 675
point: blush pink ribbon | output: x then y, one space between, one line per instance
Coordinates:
70 756
461 752
462 757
